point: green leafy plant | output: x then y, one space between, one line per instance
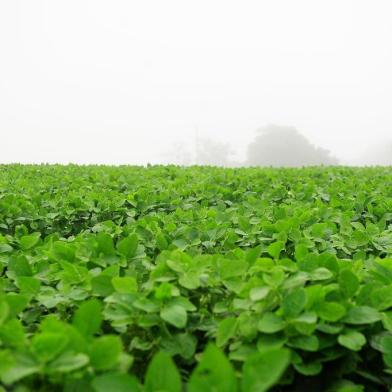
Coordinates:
186 279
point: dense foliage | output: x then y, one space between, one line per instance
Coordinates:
197 279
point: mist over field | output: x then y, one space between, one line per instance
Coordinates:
278 83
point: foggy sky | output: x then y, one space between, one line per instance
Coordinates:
121 81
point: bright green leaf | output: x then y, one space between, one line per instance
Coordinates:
162 375
263 370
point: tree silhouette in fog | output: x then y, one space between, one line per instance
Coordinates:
213 153
202 151
285 146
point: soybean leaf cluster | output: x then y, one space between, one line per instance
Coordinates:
195 279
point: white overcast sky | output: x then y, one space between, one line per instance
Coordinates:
119 81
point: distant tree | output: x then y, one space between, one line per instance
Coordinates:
213 153
202 151
285 147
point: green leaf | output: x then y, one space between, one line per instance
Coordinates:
68 362
162 375
105 352
190 280
306 343
253 254
331 311
102 285
352 339
275 248
308 369
305 323
226 330
346 386
162 243
28 285
125 285
183 344
320 274
16 366
64 251
73 273
348 283
270 323
301 252
213 373
87 319
115 382
165 291
105 243
20 266
76 341
145 304
259 293
387 320
263 370
232 268
381 297
29 241
384 344
294 303
12 333
175 315
4 309
128 246
331 329
16 303
275 277
48 345
5 248
362 315
184 302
